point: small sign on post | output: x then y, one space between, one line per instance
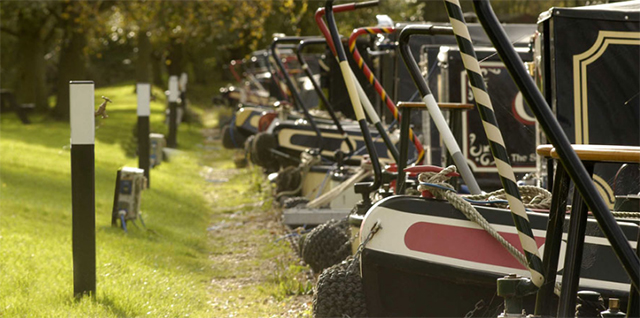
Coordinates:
172 138
144 110
83 187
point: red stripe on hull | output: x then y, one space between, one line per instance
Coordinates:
463 243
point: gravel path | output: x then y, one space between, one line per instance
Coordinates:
256 272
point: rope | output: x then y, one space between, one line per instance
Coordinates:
532 197
363 172
495 139
306 161
437 185
625 215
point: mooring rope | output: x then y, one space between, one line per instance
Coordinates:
496 142
625 215
437 185
532 197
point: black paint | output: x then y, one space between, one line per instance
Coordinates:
143 147
172 138
83 219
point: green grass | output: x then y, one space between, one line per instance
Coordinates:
164 272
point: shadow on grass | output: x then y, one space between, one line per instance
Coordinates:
113 308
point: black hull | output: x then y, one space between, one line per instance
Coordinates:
428 260
397 286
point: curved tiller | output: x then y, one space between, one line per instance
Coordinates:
350 81
292 88
431 103
376 84
496 141
362 96
318 89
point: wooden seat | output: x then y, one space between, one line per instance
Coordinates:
597 153
452 106
604 153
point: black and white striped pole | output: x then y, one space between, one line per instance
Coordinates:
496 142
172 139
144 110
83 187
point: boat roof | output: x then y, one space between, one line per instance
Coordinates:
617 11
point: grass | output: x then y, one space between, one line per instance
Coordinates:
163 272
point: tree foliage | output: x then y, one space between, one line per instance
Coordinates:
47 43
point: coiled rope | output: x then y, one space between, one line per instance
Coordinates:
306 161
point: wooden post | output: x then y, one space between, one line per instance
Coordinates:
83 187
144 110
172 139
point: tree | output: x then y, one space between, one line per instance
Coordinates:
33 27
76 19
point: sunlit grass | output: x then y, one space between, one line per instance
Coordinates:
160 273
166 271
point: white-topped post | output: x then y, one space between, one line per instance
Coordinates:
83 236
172 138
144 111
184 79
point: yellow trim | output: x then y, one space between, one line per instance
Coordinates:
605 190
255 121
285 135
580 63
243 113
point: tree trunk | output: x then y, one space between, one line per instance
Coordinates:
175 57
30 86
72 66
156 68
144 56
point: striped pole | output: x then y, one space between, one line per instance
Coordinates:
496 141
376 84
172 139
350 81
83 234
144 110
362 95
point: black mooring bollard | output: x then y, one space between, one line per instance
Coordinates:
144 110
172 139
83 232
